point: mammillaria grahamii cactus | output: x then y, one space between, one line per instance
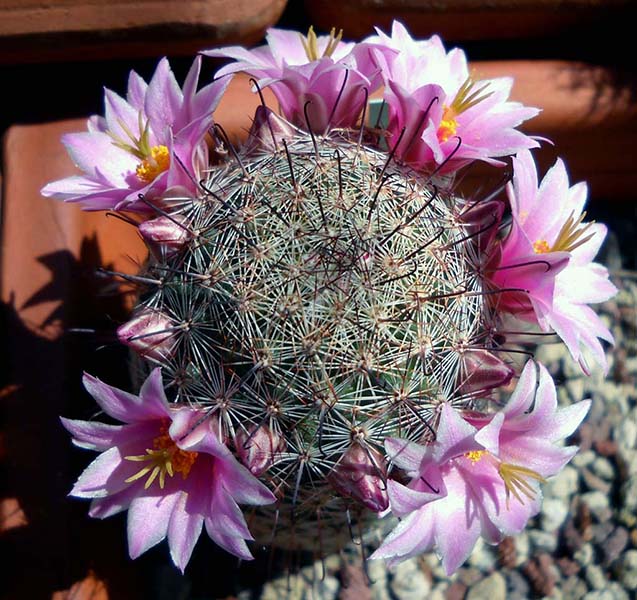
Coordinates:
323 317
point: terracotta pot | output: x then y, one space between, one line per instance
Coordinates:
44 30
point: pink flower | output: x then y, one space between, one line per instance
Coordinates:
134 148
167 467
330 74
446 114
549 254
481 477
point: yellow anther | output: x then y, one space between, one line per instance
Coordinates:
541 247
448 125
475 455
156 163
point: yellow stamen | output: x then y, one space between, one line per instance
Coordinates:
164 457
310 44
571 236
466 97
515 480
156 163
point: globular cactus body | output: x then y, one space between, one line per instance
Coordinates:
324 298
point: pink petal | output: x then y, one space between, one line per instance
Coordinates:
524 393
98 157
454 436
91 435
184 530
405 454
148 519
92 483
164 98
458 519
101 508
124 406
403 500
234 545
412 536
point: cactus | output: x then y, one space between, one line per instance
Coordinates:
324 300
322 323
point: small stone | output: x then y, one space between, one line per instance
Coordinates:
629 519
564 484
599 595
584 556
583 459
574 588
409 582
593 482
377 572
567 566
597 502
553 513
595 577
522 548
456 591
575 389
618 591
614 545
629 493
469 576
626 434
483 556
627 569
606 447
438 593
518 587
603 468
492 587
542 541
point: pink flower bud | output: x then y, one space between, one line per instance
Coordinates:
150 333
168 234
361 475
482 370
268 129
258 448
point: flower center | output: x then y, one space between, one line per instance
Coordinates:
310 44
541 247
164 457
475 455
448 125
156 163
515 478
569 237
466 97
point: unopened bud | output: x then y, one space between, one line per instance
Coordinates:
268 129
169 234
361 475
258 448
482 370
150 333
